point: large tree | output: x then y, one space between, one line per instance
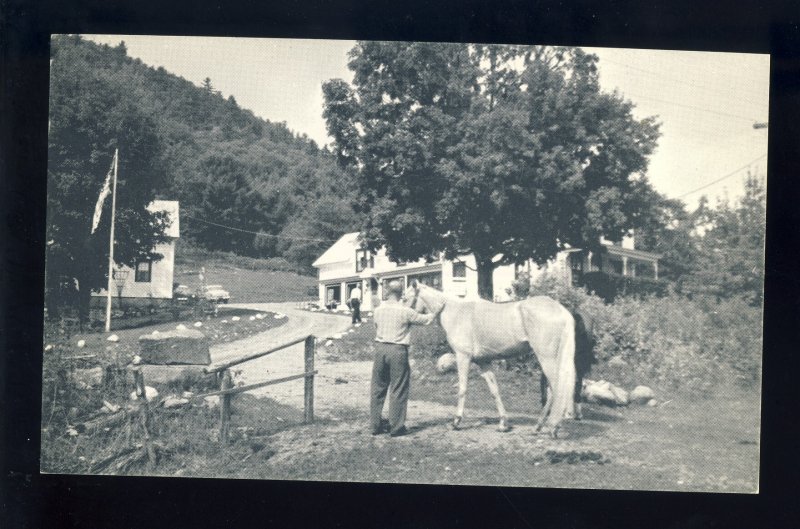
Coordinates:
730 259
505 152
90 116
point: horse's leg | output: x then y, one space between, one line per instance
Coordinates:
462 363
548 403
494 389
549 370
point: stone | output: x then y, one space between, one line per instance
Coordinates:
174 402
198 324
211 402
175 347
259 316
110 407
617 361
172 374
446 363
620 395
81 343
337 336
642 395
252 318
328 343
652 402
279 316
113 338
180 327
357 325
155 333
187 394
600 393
150 393
48 347
236 318
224 321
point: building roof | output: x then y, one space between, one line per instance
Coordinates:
341 251
172 208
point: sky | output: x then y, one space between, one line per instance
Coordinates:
706 102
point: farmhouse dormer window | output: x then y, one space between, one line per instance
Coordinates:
364 260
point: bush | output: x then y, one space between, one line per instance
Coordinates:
611 286
670 340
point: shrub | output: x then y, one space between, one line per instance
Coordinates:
670 340
610 286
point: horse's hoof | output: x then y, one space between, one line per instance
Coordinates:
502 428
456 423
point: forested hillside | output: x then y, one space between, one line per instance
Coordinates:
225 165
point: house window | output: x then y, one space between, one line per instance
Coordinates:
459 270
364 260
144 270
576 264
432 279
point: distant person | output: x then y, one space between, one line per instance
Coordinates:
355 304
390 370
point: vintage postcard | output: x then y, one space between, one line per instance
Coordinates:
405 262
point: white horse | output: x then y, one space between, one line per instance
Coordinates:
481 331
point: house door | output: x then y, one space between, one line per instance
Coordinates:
333 296
351 287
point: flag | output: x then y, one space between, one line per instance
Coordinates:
98 208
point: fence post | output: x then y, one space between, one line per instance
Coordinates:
144 415
309 389
225 407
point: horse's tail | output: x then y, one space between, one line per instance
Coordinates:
564 385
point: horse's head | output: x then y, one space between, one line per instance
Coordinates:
411 296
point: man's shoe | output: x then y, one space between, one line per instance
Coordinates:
399 433
384 428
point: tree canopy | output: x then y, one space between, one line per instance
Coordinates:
506 152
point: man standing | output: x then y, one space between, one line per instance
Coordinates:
390 370
355 304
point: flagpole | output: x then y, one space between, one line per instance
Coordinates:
111 241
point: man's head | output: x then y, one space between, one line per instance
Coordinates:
394 289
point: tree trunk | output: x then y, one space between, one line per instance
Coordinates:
485 278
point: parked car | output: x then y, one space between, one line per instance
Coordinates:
183 294
216 294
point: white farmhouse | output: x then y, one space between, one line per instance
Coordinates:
344 266
151 279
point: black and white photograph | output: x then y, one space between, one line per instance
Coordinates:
369 261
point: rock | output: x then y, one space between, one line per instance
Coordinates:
620 395
174 402
48 347
642 395
328 343
259 316
110 407
155 333
187 395
337 336
172 374
211 402
81 343
279 316
224 321
357 325
600 393
236 318
88 378
180 327
652 402
175 347
198 324
350 330
72 432
136 360
446 363
113 338
150 394
617 361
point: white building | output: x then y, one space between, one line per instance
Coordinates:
344 266
152 279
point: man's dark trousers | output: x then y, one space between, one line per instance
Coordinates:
355 304
390 373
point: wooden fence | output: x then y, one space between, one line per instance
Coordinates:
227 391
